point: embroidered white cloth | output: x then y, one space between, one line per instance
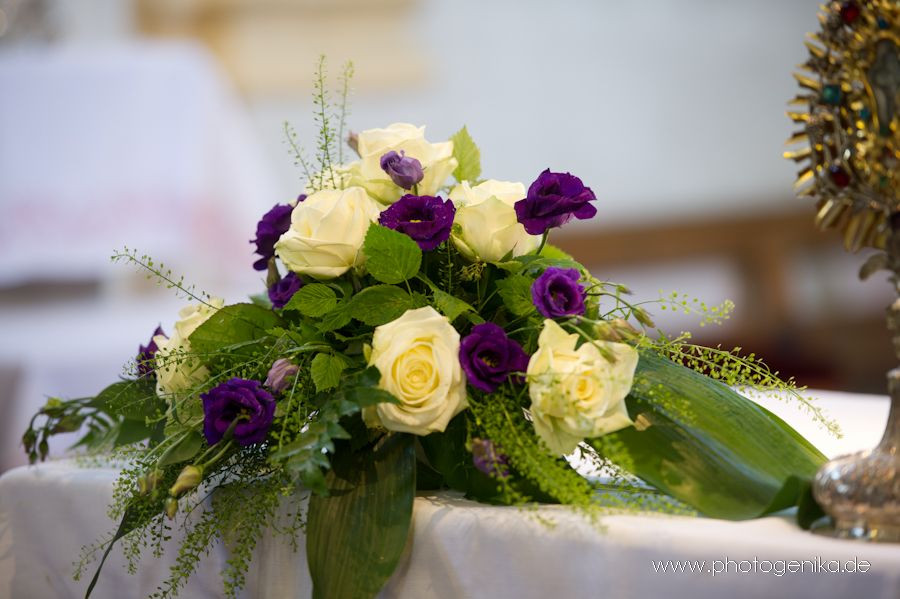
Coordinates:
463 549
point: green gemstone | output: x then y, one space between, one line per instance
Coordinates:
831 94
865 114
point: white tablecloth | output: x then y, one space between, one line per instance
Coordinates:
463 549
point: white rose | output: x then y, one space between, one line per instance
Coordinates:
485 227
175 370
578 394
418 358
327 231
436 158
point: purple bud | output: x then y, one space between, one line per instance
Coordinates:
270 227
487 458
403 170
281 292
146 353
280 375
557 293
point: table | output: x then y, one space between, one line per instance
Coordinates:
464 549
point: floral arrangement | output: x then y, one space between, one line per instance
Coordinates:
418 332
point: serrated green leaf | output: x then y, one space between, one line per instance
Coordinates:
468 156
232 327
515 291
379 304
326 370
313 300
363 525
336 319
450 305
553 252
532 262
391 257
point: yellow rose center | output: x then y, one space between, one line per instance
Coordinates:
414 372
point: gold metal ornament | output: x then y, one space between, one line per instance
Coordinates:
848 145
849 156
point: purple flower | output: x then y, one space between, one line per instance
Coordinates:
557 292
488 459
301 198
553 199
426 219
237 399
488 357
281 292
280 375
271 226
404 171
146 354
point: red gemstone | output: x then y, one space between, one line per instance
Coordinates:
849 12
839 176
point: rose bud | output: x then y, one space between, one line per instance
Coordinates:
404 171
189 478
281 374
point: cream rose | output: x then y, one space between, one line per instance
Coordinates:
485 226
578 393
327 231
175 370
436 158
418 358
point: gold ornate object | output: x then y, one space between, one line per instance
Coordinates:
850 154
849 143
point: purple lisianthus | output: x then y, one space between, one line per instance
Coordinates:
270 227
557 292
553 199
237 399
404 171
488 459
281 292
489 357
426 219
146 354
280 374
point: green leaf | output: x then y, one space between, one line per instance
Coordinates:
336 319
515 291
326 371
313 300
719 452
532 262
132 400
232 328
356 535
467 155
183 449
391 257
553 252
450 305
380 304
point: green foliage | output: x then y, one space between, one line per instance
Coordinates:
391 257
450 306
468 157
515 290
313 299
233 329
326 371
379 304
163 276
704 444
356 534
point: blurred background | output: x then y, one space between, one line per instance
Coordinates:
158 124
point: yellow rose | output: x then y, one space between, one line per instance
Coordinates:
327 231
436 159
578 393
485 226
175 371
418 358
